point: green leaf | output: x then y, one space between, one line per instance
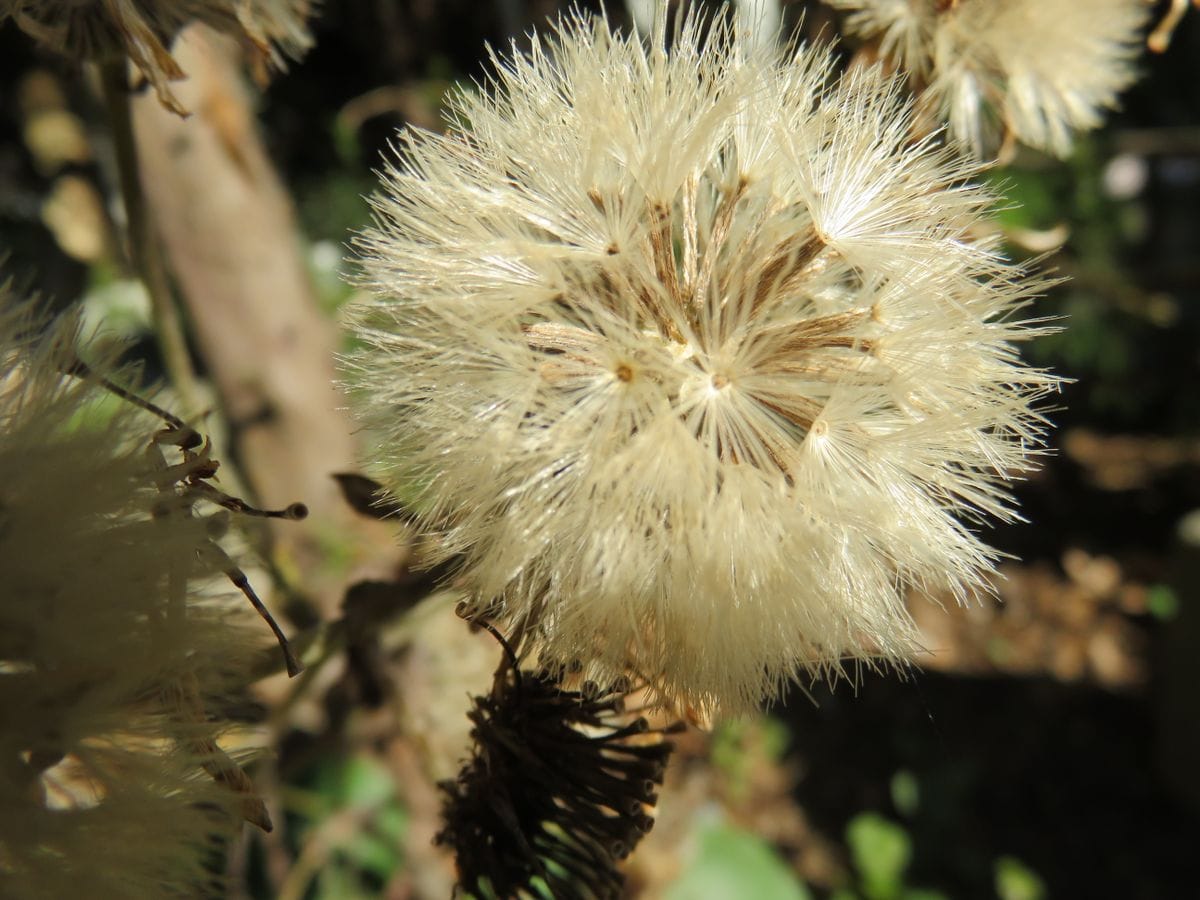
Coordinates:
727 753
881 851
373 854
733 863
922 894
1162 602
366 782
391 822
1016 881
336 882
906 793
1028 199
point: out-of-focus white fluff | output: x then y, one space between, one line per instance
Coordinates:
694 359
102 785
1042 69
143 30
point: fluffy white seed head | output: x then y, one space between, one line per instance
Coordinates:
694 359
1038 69
117 644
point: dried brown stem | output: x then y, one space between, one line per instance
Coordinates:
142 241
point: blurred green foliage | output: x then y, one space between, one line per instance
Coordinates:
346 827
881 852
730 862
1117 334
1162 602
1016 881
738 743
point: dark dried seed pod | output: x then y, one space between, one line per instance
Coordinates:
557 791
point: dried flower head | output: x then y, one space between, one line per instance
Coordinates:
694 359
1034 69
118 646
143 30
556 793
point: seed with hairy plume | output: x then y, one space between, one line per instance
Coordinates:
120 643
694 360
1037 70
143 30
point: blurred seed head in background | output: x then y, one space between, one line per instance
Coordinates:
119 645
143 30
1033 70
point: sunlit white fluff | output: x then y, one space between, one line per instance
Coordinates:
1040 69
117 645
694 359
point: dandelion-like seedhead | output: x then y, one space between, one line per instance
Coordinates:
144 30
1038 69
118 645
556 793
694 359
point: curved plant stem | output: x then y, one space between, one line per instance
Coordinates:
143 247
